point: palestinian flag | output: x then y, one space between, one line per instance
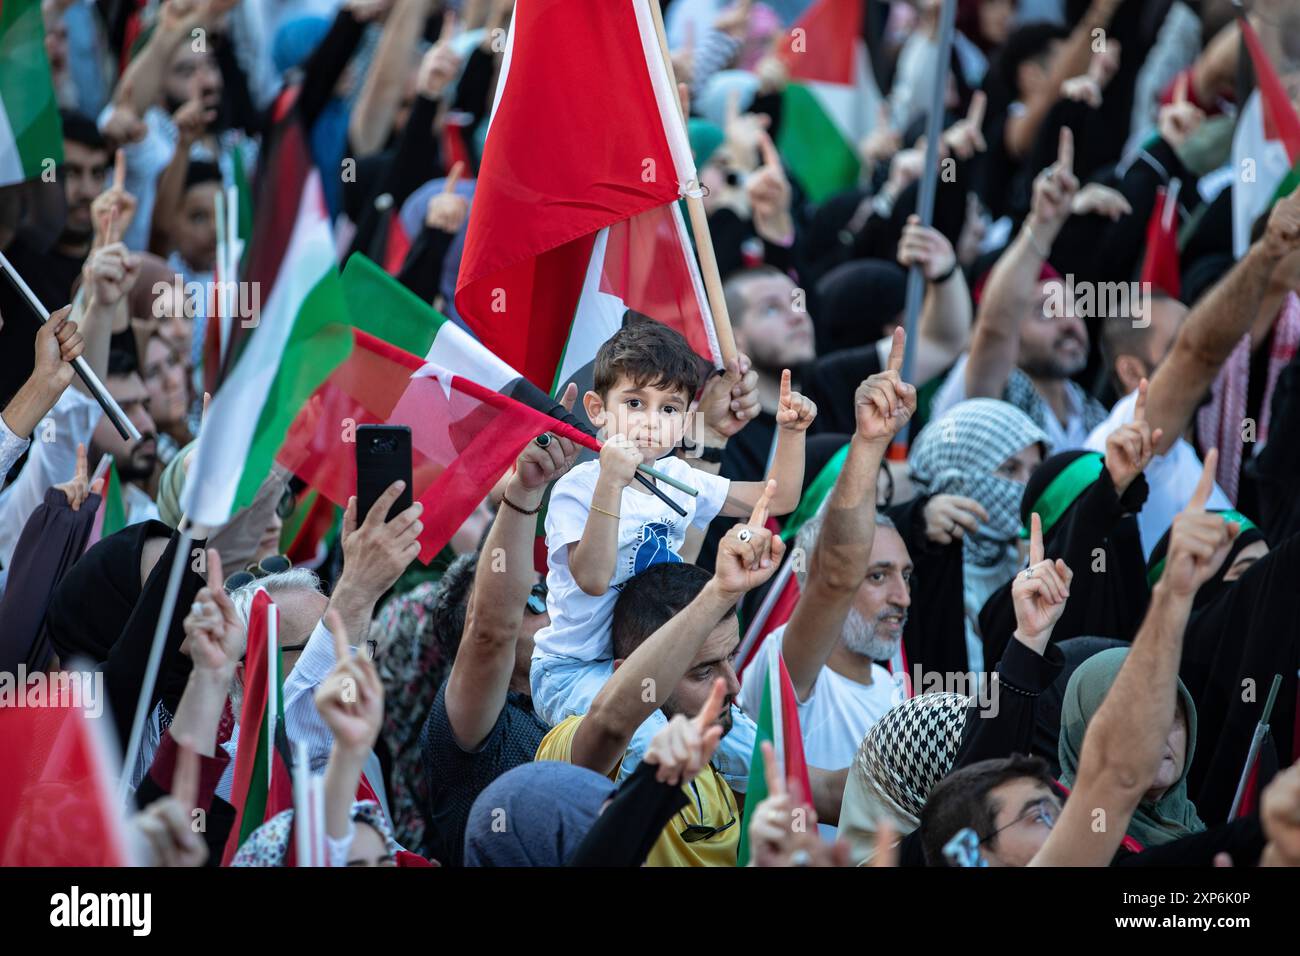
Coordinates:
300 336
262 786
58 803
464 436
831 100
1265 146
111 516
778 723
1160 262
575 218
30 129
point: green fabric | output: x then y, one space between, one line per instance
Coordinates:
812 498
388 310
27 87
1246 524
705 139
1065 490
756 790
114 508
1155 821
812 146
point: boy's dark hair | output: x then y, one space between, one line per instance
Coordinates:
200 172
651 355
649 600
1029 42
81 129
961 800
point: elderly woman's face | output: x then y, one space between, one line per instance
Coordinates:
1022 464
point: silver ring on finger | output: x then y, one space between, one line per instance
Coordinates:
744 534
543 439
800 858
1049 173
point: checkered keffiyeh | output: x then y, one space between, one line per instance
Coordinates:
911 749
959 454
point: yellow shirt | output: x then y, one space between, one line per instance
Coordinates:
711 804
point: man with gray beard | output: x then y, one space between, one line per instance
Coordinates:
853 571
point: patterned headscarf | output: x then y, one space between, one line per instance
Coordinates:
959 454
269 844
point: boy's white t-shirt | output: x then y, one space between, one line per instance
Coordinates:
649 532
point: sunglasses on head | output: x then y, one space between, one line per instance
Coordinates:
275 564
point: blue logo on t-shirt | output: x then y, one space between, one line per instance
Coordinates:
652 547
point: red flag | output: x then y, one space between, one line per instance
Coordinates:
1160 263
463 436
57 802
579 143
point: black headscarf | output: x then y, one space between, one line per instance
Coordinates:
1216 585
857 301
93 602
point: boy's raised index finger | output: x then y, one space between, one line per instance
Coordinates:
1065 150
897 349
449 185
785 386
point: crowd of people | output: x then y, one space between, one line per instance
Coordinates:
1045 634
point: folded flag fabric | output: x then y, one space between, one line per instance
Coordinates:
463 435
262 785
111 516
575 217
778 723
1160 263
831 100
1265 146
30 129
57 804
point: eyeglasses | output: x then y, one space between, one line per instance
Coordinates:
275 564
695 832
537 599
1044 811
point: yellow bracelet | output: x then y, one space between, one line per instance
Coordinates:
604 512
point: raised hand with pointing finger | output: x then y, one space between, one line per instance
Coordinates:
1130 448
794 411
685 745
1179 118
749 553
214 634
1199 540
1039 592
885 403
448 210
768 190
1054 190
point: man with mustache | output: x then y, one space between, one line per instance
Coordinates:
1025 349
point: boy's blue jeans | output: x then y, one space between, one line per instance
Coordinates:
565 686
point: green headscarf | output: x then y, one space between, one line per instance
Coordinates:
705 138
1155 821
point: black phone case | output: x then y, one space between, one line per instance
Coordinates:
383 457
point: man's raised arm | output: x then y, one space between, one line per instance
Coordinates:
485 662
1214 327
884 404
1124 743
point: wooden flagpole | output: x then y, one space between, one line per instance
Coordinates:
699 221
